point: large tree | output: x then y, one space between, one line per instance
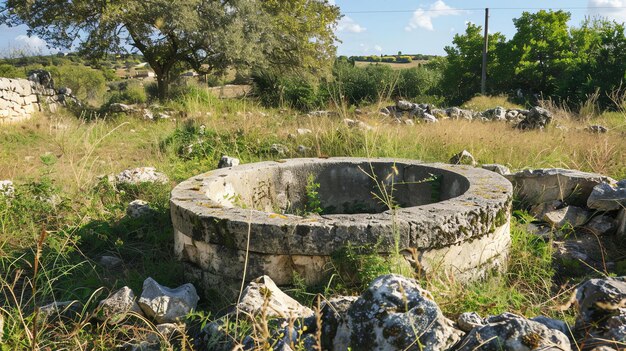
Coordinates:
206 35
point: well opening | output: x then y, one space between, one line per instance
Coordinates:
339 188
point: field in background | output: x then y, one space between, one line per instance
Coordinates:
414 63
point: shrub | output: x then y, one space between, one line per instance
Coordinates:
86 83
129 92
294 91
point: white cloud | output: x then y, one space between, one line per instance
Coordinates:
378 48
424 18
347 24
33 43
612 9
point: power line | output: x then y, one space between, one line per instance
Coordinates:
490 8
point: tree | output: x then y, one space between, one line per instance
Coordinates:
541 50
462 72
206 35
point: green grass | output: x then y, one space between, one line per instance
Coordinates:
61 158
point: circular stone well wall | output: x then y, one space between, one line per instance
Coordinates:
447 217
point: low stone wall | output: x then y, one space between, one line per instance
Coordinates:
20 98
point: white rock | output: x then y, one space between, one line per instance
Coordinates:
463 158
110 262
569 215
141 175
279 304
6 188
497 168
115 308
138 208
304 131
227 161
167 305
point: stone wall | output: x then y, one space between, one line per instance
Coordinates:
20 98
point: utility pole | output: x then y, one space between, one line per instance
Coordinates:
483 78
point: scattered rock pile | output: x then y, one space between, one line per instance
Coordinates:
395 313
535 118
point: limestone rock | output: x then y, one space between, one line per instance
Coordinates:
227 161
304 131
463 158
549 184
498 168
605 197
569 215
537 118
394 313
141 175
554 324
495 114
509 332
601 225
303 149
167 305
428 118
121 108
6 188
540 210
409 122
63 310
116 307
164 331
469 320
457 113
279 303
403 105
333 314
621 224
599 299
279 149
110 262
138 208
599 129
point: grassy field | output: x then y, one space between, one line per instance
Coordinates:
414 63
57 162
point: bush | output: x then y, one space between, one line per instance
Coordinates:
129 92
294 91
87 84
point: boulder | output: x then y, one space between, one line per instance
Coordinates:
6 188
138 208
568 215
539 210
601 225
279 149
115 308
395 313
600 299
463 158
495 114
333 314
41 77
121 108
550 184
509 332
537 118
457 113
166 305
497 168
469 320
428 118
605 197
163 331
304 131
279 304
141 175
602 312
227 161
110 262
554 324
403 105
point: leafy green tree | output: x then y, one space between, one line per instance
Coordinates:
462 72
541 50
206 35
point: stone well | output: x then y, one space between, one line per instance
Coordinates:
448 218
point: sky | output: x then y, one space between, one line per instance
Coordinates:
374 27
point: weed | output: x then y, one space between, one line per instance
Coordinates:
313 204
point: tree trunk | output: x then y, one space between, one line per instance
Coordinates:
163 85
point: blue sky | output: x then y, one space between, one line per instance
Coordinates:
371 27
